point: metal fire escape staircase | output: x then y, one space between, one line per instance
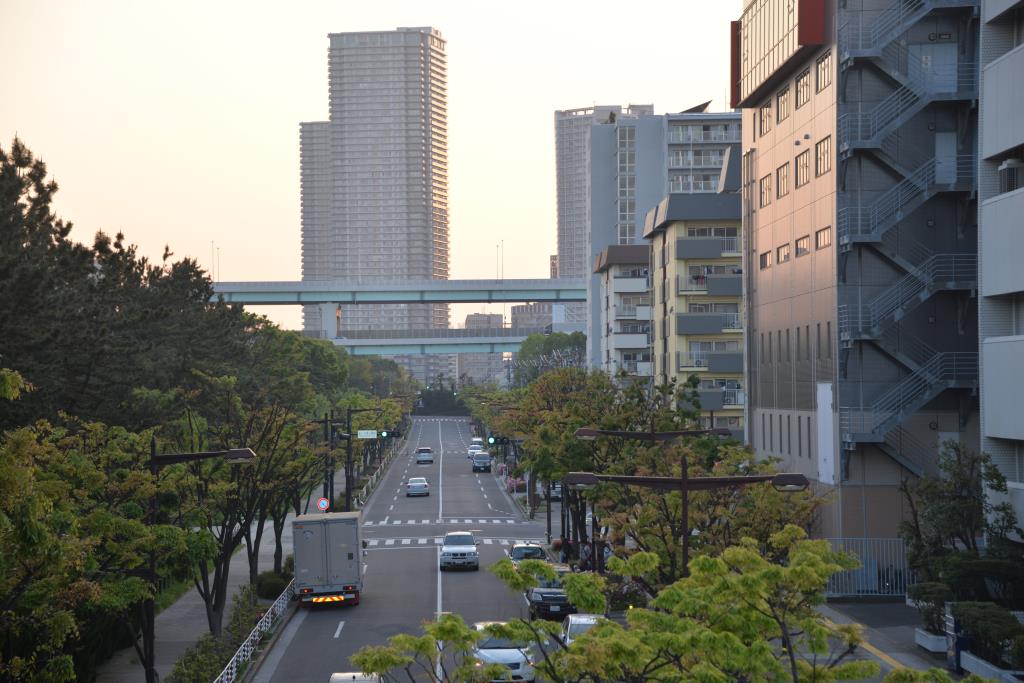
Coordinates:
872 129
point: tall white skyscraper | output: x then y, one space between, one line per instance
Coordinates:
572 163
375 181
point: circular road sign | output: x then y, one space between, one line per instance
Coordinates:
323 504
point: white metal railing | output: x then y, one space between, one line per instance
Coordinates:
855 34
679 134
883 570
731 321
866 220
901 341
625 311
911 448
728 244
906 394
691 360
691 283
733 397
273 614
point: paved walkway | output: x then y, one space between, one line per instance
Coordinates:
180 625
888 632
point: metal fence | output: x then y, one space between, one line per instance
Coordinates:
238 663
883 568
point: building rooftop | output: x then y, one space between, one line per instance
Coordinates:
691 207
622 255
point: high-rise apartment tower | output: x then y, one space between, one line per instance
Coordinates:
375 181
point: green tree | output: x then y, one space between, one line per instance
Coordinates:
738 617
952 510
540 353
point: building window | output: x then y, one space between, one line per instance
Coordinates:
782 180
803 168
778 345
765 260
817 342
823 238
766 190
789 435
823 156
797 344
828 339
799 435
769 348
783 254
807 338
765 118
763 442
762 348
803 88
771 433
803 245
782 105
823 69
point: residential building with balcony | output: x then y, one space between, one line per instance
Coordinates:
1000 245
635 161
625 311
697 298
859 148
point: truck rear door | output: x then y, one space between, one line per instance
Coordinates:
309 543
343 553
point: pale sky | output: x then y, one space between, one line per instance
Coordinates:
178 122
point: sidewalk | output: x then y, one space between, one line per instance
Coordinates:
888 632
180 625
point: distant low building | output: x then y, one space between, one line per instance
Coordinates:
481 368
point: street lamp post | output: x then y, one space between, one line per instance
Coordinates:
786 482
156 462
348 452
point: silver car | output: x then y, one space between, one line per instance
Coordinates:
424 455
458 549
513 656
576 625
417 486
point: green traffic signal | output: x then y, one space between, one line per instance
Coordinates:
490 440
384 435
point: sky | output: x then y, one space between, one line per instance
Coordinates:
177 123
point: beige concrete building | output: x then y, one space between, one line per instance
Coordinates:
697 300
625 311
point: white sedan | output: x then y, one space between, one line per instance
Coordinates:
513 656
417 486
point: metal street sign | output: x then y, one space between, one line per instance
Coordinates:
323 504
367 434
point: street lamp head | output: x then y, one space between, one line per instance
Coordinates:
586 433
790 483
237 456
580 480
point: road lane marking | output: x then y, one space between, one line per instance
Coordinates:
424 521
386 519
488 541
372 542
390 541
398 521
406 541
421 541
337 632
392 507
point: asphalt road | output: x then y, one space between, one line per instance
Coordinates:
402 584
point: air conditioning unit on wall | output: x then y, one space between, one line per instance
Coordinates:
1011 175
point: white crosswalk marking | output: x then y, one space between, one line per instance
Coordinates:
421 541
373 542
406 541
398 521
488 541
438 540
367 523
504 541
484 521
390 541
510 521
424 521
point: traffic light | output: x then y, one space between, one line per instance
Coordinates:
491 440
384 434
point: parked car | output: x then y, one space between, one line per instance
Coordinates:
417 486
548 600
576 625
526 551
459 549
424 455
514 656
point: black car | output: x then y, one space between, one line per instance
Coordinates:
548 600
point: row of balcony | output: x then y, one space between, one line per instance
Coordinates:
707 247
712 284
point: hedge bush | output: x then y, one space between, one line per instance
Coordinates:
205 660
931 598
269 585
989 628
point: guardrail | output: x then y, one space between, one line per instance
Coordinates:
364 493
236 666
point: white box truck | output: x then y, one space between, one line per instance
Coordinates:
328 553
